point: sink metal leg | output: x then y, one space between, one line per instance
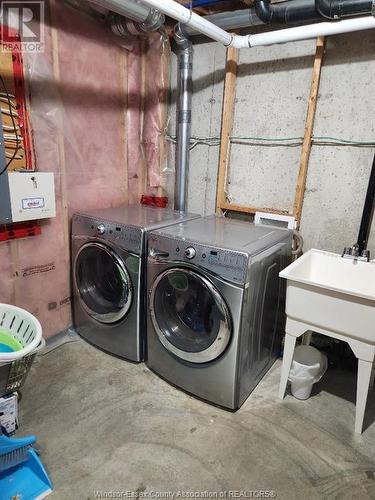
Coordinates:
306 338
363 382
372 379
289 345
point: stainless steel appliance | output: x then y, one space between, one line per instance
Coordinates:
109 251
215 319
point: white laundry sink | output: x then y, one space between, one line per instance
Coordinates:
332 293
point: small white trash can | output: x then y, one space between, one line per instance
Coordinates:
308 367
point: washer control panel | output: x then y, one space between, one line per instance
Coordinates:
127 237
228 264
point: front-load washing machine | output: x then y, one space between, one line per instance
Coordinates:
215 320
109 252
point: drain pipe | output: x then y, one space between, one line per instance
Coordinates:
368 211
289 12
185 16
337 9
295 11
234 19
183 116
133 9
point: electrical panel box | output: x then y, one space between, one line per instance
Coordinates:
27 196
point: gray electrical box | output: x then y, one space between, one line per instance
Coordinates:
24 196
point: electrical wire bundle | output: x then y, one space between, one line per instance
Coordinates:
286 142
12 137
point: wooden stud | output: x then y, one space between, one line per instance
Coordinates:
226 125
166 56
143 172
123 63
251 210
309 128
61 146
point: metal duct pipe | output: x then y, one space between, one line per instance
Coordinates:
183 117
292 11
133 9
230 20
123 27
337 9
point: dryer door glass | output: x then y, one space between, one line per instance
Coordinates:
103 283
190 316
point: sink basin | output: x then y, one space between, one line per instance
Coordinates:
332 293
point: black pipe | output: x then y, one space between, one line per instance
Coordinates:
336 9
368 212
289 12
299 11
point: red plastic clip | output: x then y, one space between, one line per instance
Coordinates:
154 201
19 230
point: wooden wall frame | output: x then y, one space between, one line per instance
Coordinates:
227 119
227 127
309 129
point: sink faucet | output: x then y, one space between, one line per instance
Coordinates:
353 253
355 250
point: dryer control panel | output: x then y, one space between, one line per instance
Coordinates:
127 237
228 264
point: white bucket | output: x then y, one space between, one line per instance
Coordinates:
308 367
301 389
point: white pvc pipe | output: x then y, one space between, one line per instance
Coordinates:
198 23
133 9
312 31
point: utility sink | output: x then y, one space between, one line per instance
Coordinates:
332 293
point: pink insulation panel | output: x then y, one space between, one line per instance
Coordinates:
134 124
88 116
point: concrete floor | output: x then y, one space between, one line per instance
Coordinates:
107 425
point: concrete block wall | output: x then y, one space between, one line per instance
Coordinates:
272 95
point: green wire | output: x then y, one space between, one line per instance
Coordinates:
314 138
329 140
346 141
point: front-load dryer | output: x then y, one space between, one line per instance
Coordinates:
215 319
109 252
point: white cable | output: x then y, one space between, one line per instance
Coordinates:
12 137
5 99
9 128
7 112
3 94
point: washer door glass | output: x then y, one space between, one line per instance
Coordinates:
190 316
103 283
